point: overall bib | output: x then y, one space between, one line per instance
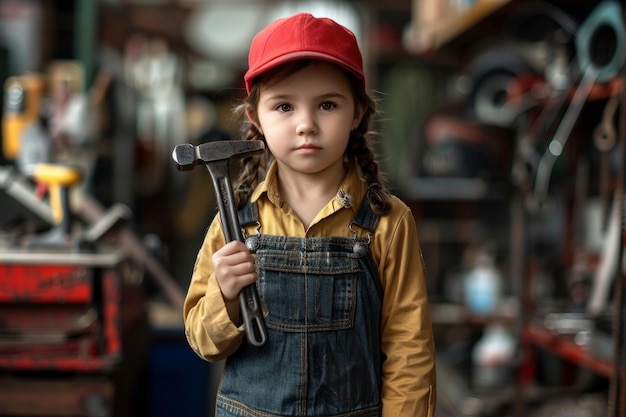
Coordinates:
322 356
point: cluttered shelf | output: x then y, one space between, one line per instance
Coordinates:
442 188
451 313
456 213
437 25
430 32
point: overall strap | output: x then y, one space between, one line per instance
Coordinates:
366 219
249 214
365 216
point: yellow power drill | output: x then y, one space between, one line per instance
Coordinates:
22 103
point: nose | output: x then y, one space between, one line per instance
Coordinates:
307 124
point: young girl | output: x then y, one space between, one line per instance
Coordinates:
334 256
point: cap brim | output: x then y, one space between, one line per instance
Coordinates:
298 56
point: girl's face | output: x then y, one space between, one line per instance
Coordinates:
307 117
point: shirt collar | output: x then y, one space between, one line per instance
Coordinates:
349 194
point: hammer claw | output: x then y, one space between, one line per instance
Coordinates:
227 149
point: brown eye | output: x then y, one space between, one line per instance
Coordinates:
327 105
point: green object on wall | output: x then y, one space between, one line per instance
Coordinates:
85 28
411 93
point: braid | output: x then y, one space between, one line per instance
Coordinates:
361 152
252 167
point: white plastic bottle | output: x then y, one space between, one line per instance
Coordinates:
492 357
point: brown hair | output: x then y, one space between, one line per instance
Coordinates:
359 150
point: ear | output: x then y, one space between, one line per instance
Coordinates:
251 115
359 111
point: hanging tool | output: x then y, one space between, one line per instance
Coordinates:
600 46
216 157
562 134
605 139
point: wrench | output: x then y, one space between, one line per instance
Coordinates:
216 157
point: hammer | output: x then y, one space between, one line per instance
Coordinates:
216 157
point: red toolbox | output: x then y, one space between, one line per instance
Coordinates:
65 316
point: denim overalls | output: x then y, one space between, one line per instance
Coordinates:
322 356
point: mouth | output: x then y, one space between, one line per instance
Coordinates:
308 148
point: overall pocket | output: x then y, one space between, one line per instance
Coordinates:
308 291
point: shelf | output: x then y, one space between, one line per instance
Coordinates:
566 348
448 189
429 36
448 313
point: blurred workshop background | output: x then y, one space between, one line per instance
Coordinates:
502 125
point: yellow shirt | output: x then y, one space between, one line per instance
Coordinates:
407 342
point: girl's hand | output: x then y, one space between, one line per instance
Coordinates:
234 269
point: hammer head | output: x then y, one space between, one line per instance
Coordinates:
187 156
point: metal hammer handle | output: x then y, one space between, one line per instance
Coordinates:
186 157
251 310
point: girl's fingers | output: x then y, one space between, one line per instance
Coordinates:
234 269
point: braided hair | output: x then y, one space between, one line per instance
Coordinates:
359 150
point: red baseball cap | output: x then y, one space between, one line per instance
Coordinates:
303 36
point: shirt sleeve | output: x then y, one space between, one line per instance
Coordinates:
409 376
209 330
